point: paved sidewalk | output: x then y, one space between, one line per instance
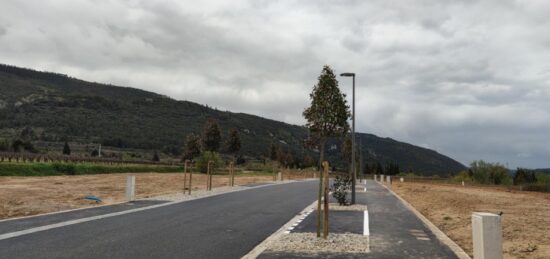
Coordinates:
395 231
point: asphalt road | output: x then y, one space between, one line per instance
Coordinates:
223 226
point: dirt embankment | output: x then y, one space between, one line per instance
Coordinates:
526 218
23 196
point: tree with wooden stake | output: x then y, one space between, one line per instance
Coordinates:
326 117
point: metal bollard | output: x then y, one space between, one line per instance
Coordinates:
131 188
487 235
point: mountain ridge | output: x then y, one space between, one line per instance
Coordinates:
61 107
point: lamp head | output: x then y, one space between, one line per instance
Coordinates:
347 74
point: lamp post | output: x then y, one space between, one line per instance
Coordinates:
353 173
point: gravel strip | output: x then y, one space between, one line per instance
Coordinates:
309 243
354 207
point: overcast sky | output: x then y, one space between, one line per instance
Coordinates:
470 79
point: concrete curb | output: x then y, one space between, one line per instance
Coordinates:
459 252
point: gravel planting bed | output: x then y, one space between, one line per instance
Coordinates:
354 207
309 243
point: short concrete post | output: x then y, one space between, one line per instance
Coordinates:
279 176
487 235
401 179
462 183
130 188
374 177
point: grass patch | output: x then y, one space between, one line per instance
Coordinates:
47 169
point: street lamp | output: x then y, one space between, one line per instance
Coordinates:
352 75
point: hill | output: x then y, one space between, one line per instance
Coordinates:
56 108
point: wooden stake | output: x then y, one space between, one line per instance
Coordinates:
190 179
185 175
325 224
208 182
233 174
319 200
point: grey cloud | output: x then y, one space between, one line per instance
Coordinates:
443 74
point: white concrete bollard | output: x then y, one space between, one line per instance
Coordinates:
462 183
487 235
401 179
279 176
131 188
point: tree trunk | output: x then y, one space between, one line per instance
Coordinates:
320 195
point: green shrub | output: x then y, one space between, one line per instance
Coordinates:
68 169
489 173
462 176
202 161
340 188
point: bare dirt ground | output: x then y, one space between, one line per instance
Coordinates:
526 218
24 196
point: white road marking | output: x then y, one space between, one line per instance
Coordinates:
366 230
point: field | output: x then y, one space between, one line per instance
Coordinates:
526 218
23 196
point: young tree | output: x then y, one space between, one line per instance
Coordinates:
233 144
192 147
273 152
328 113
211 136
524 176
326 117
156 157
308 161
346 149
4 145
66 149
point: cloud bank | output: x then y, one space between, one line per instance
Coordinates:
470 79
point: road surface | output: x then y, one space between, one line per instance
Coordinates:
223 226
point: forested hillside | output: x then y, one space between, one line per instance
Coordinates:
57 108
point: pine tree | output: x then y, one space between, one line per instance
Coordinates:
66 149
156 157
308 161
234 142
211 136
192 147
273 152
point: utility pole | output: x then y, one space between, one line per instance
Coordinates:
354 170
